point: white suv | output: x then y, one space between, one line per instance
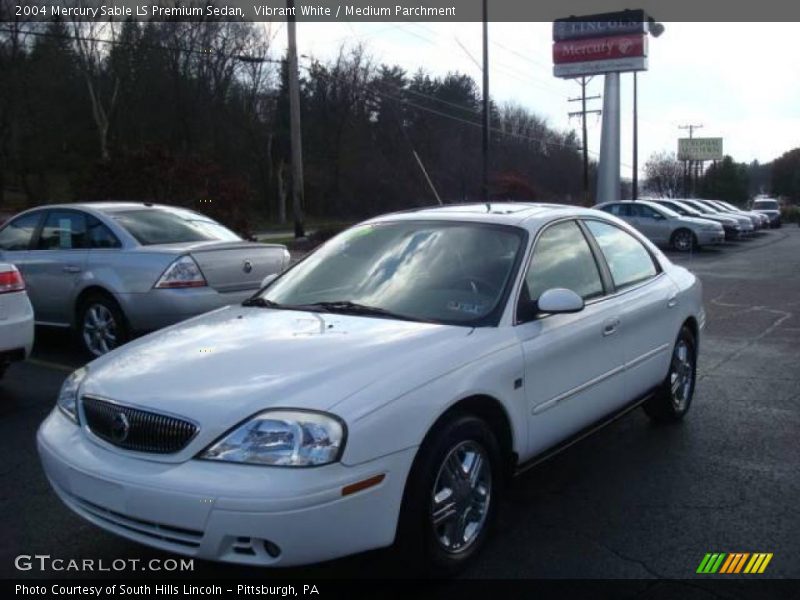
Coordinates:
16 318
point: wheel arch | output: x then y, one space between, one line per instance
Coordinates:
489 409
85 293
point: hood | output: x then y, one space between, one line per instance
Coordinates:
222 367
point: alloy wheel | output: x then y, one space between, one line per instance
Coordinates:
100 330
681 375
461 496
683 241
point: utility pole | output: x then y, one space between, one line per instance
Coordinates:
689 166
486 192
582 114
635 174
295 132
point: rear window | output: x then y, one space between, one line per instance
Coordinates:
153 226
765 205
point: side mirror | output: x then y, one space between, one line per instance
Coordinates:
560 300
658 216
268 279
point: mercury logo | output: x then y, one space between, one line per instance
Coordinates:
120 427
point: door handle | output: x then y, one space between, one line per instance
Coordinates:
72 269
673 301
610 326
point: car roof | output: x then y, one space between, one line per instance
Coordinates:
503 213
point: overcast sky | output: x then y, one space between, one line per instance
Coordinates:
741 81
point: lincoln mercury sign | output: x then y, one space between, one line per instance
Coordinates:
700 149
605 43
613 23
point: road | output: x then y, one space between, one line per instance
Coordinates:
633 501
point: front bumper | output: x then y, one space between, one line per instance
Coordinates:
708 238
159 308
225 512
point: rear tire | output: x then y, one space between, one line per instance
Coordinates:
451 497
102 326
673 398
683 240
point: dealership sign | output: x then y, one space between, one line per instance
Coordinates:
604 48
605 43
597 67
613 23
700 149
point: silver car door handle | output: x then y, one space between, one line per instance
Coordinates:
672 302
610 327
72 269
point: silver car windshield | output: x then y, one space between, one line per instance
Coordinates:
455 273
765 205
154 226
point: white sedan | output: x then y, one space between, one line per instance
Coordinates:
16 318
381 391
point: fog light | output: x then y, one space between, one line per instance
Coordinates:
272 549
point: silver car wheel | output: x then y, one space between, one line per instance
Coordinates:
683 241
99 329
681 375
461 496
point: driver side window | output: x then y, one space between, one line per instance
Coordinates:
562 258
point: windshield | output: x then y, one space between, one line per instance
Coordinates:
445 272
155 226
765 205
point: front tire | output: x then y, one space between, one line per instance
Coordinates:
674 397
101 325
683 240
451 497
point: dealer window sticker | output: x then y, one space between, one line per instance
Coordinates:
473 308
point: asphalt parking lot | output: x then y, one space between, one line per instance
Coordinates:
633 501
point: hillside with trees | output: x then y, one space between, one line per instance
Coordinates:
197 114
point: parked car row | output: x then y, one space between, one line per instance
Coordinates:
114 269
688 224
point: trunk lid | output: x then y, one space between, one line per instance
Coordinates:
237 266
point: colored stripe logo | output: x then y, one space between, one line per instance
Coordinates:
734 563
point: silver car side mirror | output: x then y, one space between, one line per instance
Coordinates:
268 279
559 300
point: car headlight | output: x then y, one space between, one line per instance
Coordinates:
286 438
68 395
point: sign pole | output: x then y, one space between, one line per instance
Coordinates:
608 187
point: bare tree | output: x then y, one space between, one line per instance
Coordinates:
664 175
91 39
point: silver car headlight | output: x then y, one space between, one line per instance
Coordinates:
282 437
68 395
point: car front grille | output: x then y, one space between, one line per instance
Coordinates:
136 429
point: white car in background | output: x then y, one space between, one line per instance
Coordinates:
381 390
16 318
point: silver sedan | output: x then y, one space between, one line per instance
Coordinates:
666 227
113 269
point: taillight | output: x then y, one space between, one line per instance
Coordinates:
183 273
11 281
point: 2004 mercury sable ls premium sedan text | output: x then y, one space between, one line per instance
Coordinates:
380 391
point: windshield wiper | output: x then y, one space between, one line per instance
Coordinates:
261 302
353 308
